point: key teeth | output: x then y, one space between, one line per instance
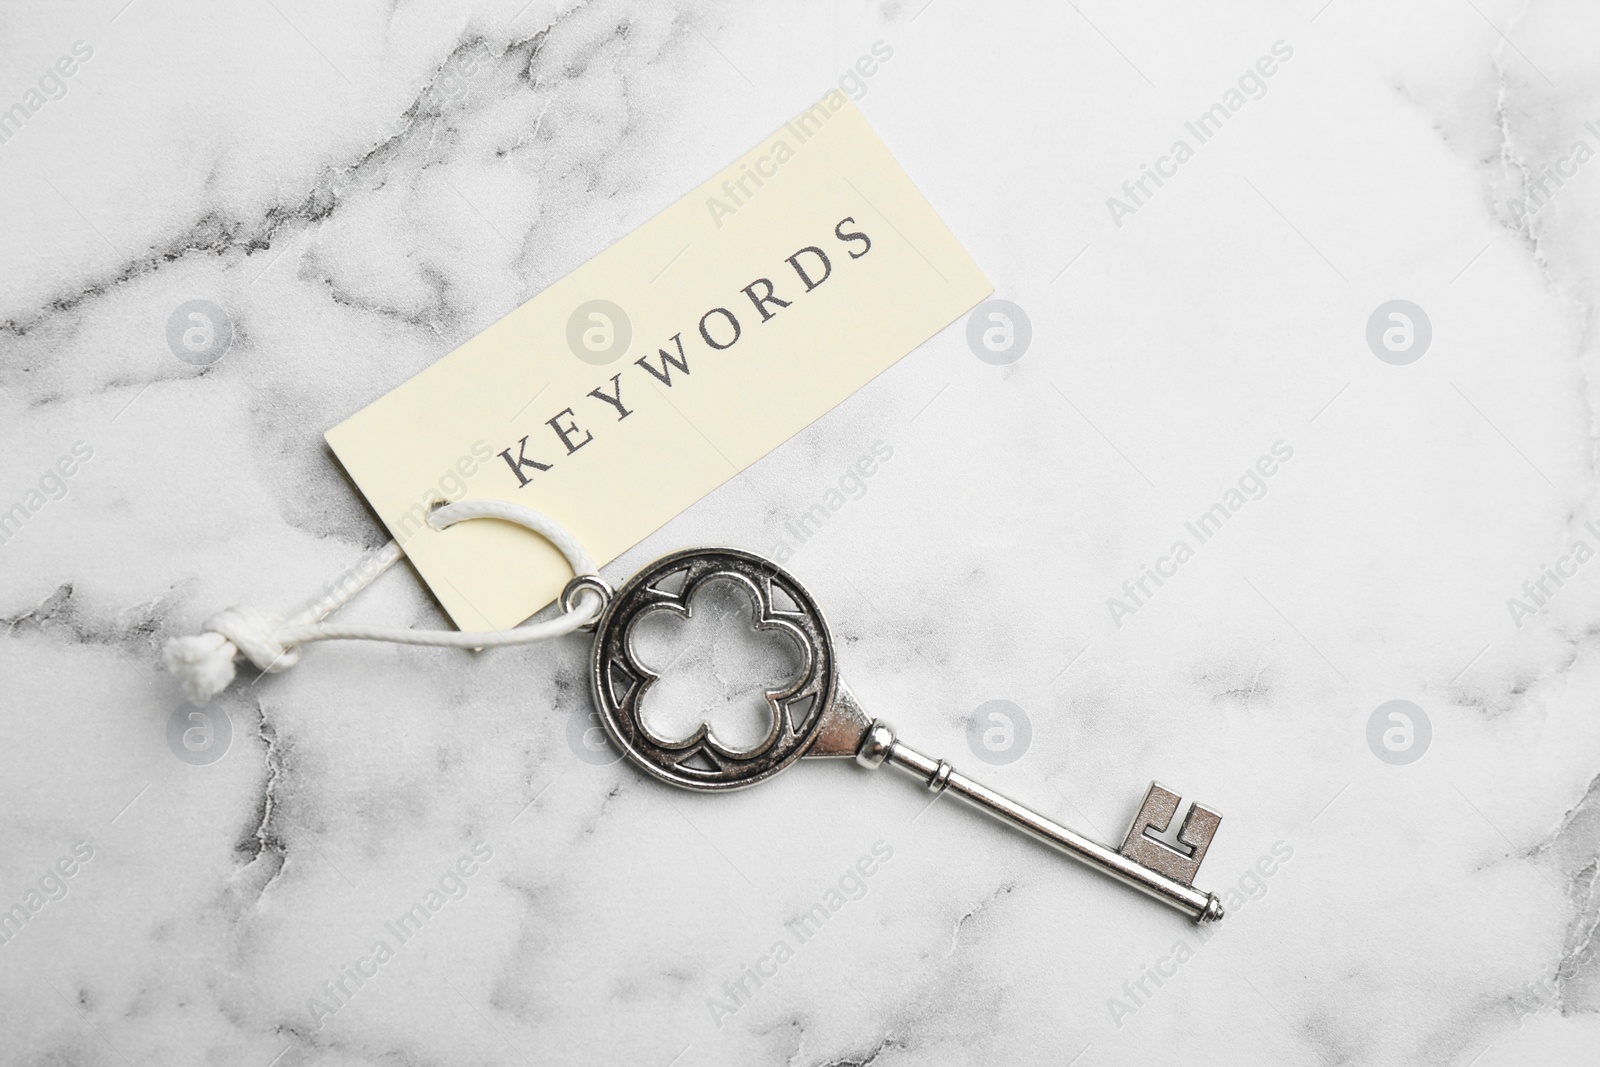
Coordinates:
1199 827
1155 813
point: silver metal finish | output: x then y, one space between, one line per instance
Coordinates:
817 715
875 746
1160 805
619 680
1125 866
569 596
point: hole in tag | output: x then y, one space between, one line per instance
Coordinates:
714 667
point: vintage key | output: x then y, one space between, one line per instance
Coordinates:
816 715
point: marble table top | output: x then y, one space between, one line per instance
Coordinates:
1278 486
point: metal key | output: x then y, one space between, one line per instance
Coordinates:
816 715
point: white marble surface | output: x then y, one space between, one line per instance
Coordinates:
364 186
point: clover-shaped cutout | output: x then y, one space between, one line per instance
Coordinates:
719 667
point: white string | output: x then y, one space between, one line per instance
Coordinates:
204 662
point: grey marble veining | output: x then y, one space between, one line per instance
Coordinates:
420 856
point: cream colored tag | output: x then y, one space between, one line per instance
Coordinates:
667 364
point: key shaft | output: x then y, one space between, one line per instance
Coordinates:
880 746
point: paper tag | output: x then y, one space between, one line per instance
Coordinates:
692 347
